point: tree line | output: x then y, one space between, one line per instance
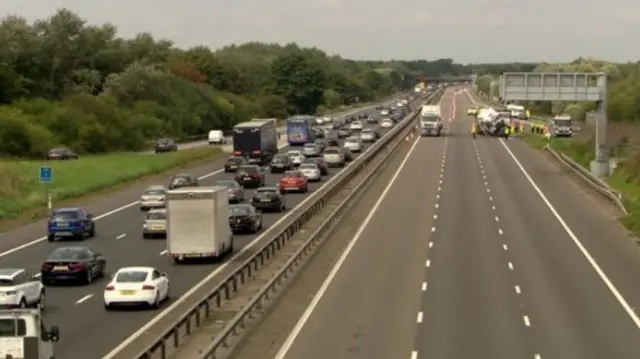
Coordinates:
64 82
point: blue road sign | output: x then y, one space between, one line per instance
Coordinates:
46 175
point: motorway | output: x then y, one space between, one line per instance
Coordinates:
477 249
87 330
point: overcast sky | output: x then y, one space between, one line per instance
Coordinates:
465 30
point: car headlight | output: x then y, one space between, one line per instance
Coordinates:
144 226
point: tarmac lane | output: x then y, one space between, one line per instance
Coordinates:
469 304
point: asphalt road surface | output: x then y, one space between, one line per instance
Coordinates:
480 249
87 330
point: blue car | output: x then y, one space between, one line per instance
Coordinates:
72 223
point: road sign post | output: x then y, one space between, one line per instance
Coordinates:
561 86
46 178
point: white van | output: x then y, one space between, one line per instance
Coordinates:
216 137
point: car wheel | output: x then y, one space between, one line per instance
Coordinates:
23 303
51 238
156 302
88 276
107 307
82 236
42 301
92 231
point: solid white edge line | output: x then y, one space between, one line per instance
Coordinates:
612 288
129 205
134 336
288 343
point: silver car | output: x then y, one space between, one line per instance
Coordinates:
236 192
311 172
155 224
367 135
296 157
311 150
353 144
334 157
154 197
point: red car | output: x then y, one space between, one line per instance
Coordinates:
294 181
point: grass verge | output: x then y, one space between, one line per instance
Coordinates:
625 179
21 191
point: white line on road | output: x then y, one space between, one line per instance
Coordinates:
419 318
510 266
504 246
84 299
517 289
527 322
424 286
121 236
414 354
427 263
603 276
433 229
288 343
164 252
430 244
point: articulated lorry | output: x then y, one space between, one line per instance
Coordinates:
430 120
198 224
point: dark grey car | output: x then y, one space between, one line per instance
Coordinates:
236 192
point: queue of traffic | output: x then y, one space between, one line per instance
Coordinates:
198 222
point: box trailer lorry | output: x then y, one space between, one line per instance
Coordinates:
198 223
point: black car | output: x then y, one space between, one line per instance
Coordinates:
318 132
318 161
236 192
344 133
281 163
233 163
269 199
166 145
362 116
333 142
337 124
72 264
183 180
61 153
244 218
322 143
251 176
372 120
349 119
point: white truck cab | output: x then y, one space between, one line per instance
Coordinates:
23 335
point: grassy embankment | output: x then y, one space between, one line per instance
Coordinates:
21 192
624 140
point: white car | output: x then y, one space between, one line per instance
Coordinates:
384 112
334 157
353 144
386 123
311 172
355 125
367 135
136 286
296 157
319 120
19 290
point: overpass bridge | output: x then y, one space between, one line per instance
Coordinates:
442 79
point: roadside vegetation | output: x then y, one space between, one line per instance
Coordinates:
66 83
23 190
623 132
